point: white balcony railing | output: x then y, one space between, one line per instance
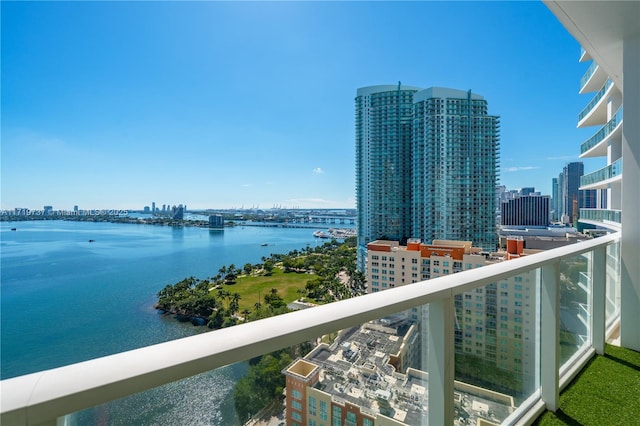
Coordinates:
43 397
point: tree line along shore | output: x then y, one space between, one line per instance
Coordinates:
234 295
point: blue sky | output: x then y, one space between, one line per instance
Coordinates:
229 104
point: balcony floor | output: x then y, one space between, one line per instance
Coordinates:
606 392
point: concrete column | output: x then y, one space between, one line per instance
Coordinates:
598 298
441 362
630 242
550 336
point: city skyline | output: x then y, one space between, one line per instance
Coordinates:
251 103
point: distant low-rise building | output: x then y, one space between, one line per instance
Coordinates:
541 237
526 210
177 213
216 221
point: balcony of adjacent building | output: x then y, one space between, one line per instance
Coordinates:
596 145
603 177
609 218
566 301
593 79
596 110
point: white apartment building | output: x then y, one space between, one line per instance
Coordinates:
495 323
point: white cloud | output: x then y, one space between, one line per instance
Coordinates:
318 171
520 168
245 185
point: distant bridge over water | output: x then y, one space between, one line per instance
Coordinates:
338 220
289 224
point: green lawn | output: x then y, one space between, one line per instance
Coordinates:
606 392
256 287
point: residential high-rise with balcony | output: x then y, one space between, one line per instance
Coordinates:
426 166
383 163
455 161
605 113
610 37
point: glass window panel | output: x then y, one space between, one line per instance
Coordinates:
575 287
503 359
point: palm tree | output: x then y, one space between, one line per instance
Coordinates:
234 305
224 295
245 313
248 268
358 282
222 271
268 267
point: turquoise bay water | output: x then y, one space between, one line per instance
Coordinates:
65 300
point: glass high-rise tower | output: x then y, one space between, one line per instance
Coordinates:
426 166
455 164
384 117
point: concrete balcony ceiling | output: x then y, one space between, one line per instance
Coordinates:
584 56
600 27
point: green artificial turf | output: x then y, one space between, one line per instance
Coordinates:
606 392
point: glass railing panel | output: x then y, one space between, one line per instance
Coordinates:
602 133
206 398
587 75
601 215
612 170
595 99
613 283
575 287
376 370
497 341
